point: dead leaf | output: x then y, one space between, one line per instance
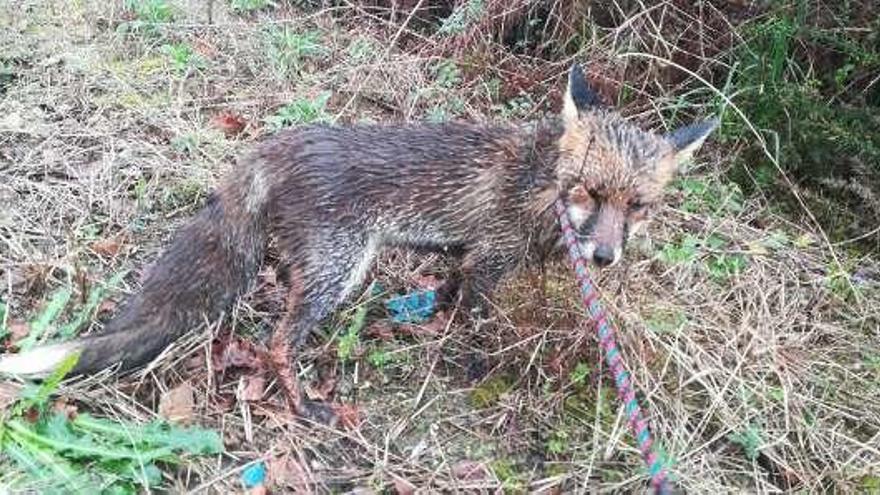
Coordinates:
403 487
61 406
107 247
253 388
380 329
286 472
433 327
204 48
470 470
234 352
427 281
106 306
229 123
323 391
18 330
177 404
348 415
8 394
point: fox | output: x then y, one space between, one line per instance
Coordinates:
330 198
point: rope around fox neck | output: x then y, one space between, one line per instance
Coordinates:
605 331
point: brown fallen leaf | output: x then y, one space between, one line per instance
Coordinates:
433 327
107 247
61 406
234 352
427 281
17 330
470 470
380 329
253 388
107 306
403 487
323 391
286 472
8 394
348 415
177 404
204 48
229 123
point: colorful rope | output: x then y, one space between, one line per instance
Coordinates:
605 331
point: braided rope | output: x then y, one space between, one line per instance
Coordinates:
605 331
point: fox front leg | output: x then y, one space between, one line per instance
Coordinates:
481 273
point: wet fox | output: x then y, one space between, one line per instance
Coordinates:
330 198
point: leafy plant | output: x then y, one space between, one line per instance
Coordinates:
724 266
248 6
148 14
678 253
59 453
749 439
558 442
46 323
579 374
448 75
182 57
465 14
666 320
300 112
288 49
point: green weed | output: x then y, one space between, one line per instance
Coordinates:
749 439
515 108
465 15
181 57
682 252
558 443
508 474
289 49
249 6
47 323
666 320
579 374
61 454
148 14
701 196
300 112
447 74
724 266
490 391
349 340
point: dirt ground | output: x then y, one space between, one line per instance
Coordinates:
757 362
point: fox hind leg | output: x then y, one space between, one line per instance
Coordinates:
320 281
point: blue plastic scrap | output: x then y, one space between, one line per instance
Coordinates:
254 475
414 307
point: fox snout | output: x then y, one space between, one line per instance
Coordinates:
601 233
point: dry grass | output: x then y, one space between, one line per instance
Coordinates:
763 380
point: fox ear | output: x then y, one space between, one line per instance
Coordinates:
579 96
687 140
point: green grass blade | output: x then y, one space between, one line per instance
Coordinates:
85 314
49 385
4 315
38 327
42 464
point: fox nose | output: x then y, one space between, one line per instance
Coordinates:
603 255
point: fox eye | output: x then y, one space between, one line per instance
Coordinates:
582 194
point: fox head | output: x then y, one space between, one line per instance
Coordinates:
611 173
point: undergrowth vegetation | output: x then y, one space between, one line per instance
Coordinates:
748 309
